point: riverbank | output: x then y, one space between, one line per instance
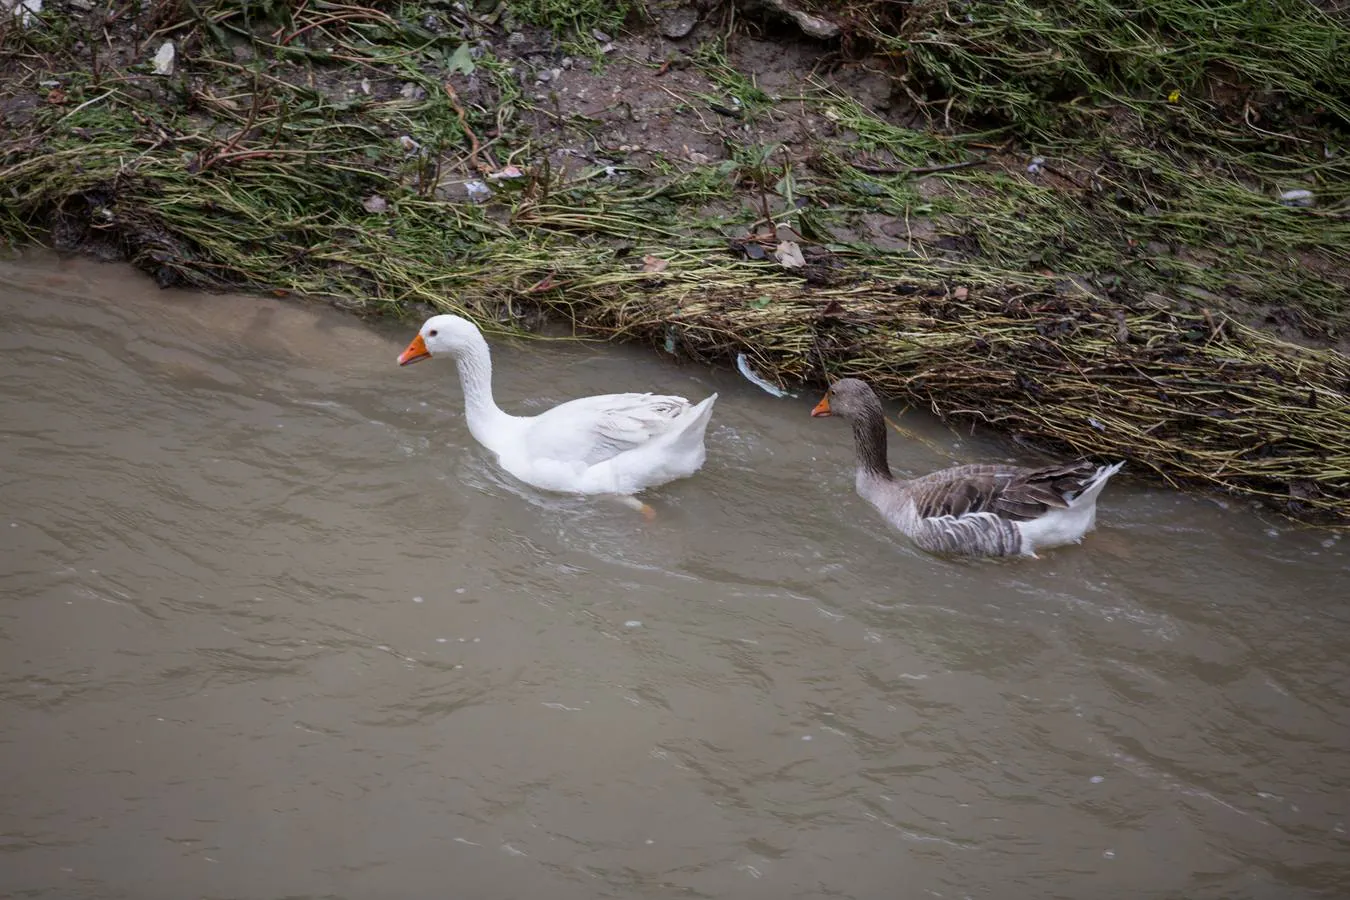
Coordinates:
1100 235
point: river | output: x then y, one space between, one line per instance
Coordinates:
273 625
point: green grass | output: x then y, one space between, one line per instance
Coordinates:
574 22
746 97
1047 66
562 16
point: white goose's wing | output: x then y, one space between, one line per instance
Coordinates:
593 429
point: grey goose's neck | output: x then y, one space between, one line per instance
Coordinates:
869 438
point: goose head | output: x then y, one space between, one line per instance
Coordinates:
441 336
849 398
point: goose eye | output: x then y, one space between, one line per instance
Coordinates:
431 333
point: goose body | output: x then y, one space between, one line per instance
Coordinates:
973 510
604 444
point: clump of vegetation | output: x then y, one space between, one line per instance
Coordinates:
1167 136
1081 224
581 16
1050 69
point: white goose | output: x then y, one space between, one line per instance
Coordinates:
976 510
607 444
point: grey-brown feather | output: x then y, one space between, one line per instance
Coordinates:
1016 493
975 534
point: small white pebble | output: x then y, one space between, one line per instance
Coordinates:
459 590
476 640
417 599
632 623
440 640
806 737
1108 854
1096 779
650 841
458 666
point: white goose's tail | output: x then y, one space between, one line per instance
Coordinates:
690 428
676 453
680 452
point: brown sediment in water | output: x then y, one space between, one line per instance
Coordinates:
1083 276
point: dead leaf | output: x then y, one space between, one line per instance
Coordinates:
163 61
462 60
653 264
375 204
961 293
789 255
695 157
56 96
1122 328
545 284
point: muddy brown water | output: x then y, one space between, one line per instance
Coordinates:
273 626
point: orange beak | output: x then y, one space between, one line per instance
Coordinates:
823 407
416 352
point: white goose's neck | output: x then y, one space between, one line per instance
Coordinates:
484 418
